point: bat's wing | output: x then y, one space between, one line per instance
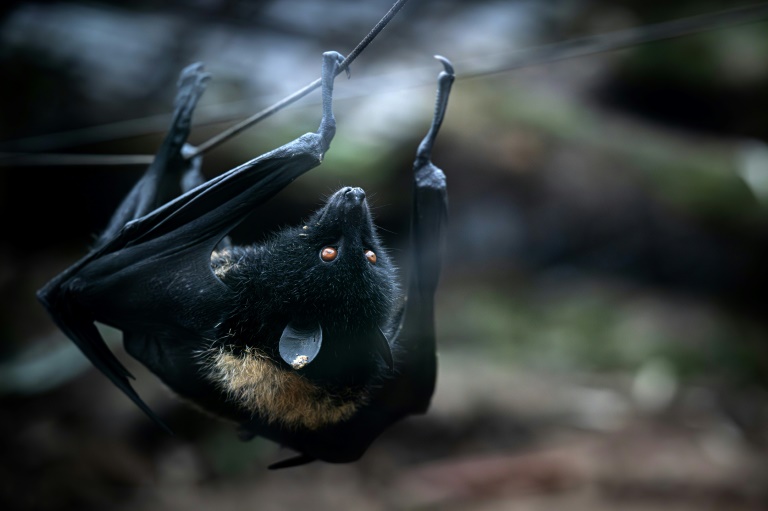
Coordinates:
410 391
150 273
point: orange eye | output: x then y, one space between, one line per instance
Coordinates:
371 256
328 254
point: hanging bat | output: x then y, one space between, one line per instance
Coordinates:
305 339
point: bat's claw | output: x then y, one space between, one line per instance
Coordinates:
332 61
192 74
191 84
446 64
335 60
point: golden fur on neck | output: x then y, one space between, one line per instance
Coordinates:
258 385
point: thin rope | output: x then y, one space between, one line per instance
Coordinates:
573 48
48 159
344 66
621 39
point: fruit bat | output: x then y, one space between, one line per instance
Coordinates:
306 339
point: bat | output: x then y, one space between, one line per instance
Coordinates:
306 339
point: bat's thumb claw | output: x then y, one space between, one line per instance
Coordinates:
302 459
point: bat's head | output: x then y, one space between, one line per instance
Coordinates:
332 279
348 273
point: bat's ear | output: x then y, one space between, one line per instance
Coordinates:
300 344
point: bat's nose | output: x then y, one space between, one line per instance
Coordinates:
354 195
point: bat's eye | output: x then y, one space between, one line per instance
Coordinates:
328 254
371 256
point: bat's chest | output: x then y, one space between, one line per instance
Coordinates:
254 383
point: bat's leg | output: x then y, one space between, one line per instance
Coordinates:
430 205
331 61
316 143
170 174
430 201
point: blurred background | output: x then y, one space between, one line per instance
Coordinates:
602 327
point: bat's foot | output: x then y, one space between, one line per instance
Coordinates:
191 85
332 60
192 75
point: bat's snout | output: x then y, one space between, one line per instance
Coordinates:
354 195
351 202
346 208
